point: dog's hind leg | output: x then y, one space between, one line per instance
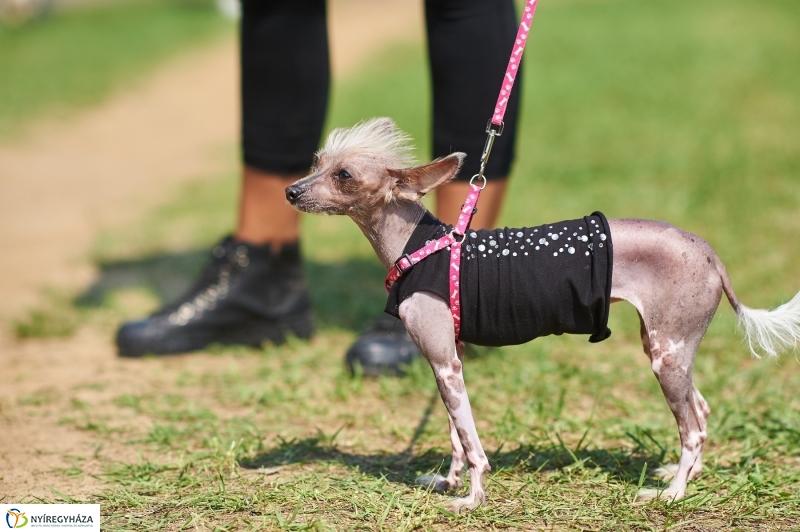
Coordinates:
702 411
672 364
668 471
430 324
671 278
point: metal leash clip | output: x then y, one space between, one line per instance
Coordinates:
487 149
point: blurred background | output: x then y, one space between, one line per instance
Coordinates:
119 162
119 156
105 107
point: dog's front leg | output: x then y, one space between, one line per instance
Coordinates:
429 322
441 484
437 482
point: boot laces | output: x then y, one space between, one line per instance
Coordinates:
212 286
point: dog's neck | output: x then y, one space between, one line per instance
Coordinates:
389 228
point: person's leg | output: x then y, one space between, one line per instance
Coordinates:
254 287
469 44
285 80
450 198
264 215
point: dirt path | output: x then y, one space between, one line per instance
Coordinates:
62 182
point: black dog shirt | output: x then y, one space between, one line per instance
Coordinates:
519 284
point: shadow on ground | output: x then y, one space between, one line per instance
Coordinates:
403 467
346 295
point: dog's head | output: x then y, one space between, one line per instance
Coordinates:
365 167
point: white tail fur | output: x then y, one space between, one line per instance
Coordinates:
771 331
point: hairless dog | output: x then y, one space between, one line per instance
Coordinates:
673 279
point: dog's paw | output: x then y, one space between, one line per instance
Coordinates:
469 502
434 482
650 494
666 472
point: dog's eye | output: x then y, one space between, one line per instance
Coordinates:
343 175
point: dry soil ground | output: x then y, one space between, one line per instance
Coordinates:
61 183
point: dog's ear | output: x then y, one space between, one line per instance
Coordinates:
412 183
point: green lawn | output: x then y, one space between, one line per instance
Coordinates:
684 111
75 57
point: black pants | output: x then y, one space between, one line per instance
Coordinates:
286 76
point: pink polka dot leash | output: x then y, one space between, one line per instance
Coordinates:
453 240
494 127
514 62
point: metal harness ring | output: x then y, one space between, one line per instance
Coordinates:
479 176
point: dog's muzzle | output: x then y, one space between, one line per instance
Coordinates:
293 193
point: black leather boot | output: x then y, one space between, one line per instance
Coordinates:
245 295
384 349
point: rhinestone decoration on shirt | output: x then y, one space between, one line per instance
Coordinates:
514 243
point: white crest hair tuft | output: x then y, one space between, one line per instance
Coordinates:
378 137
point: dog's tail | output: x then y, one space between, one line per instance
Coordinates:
770 332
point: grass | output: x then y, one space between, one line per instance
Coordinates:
74 58
683 111
259 445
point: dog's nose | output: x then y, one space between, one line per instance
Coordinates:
293 192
